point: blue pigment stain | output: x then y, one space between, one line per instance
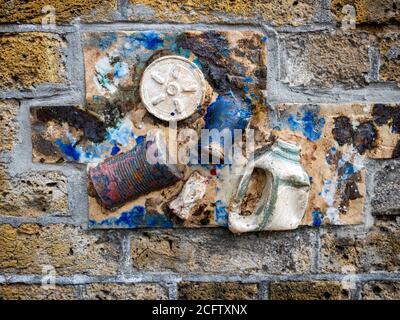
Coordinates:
197 62
139 139
228 112
310 179
329 156
317 218
68 149
348 170
115 150
294 125
310 124
264 39
106 41
96 99
248 79
121 70
148 39
221 214
120 135
184 52
136 218
246 89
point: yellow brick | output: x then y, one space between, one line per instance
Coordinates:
274 11
35 292
114 291
34 11
29 248
389 48
368 11
302 290
30 59
8 124
33 194
223 291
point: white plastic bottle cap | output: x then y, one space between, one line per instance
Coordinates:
172 88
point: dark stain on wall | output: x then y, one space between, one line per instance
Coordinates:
212 50
387 115
45 147
343 130
92 127
348 179
214 53
362 137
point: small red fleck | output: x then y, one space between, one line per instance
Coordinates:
213 172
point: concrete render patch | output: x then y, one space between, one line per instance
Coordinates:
386 186
324 59
319 213
246 48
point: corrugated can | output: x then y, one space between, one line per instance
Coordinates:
129 175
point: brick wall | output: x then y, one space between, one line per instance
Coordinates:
311 59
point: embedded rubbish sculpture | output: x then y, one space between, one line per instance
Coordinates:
172 88
285 194
227 114
128 175
193 191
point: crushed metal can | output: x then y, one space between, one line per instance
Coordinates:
129 175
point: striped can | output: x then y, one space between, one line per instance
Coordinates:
129 175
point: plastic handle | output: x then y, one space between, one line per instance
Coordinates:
257 220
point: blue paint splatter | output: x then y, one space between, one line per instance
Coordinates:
197 62
248 79
228 112
348 170
121 70
121 134
264 39
68 150
317 218
115 150
246 89
106 40
294 125
327 193
148 39
330 155
221 214
310 124
139 139
184 52
136 218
